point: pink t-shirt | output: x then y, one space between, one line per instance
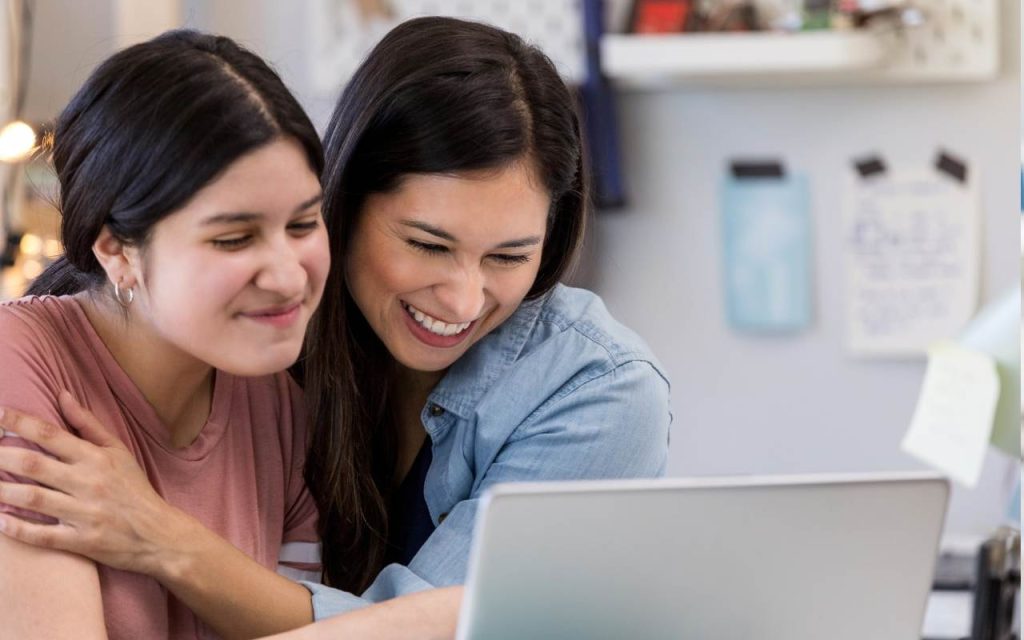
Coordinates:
242 477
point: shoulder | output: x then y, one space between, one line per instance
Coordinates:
575 327
36 325
36 335
585 394
564 349
32 313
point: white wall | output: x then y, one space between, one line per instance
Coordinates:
276 30
793 404
69 38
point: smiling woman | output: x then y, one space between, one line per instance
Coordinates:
455 196
175 323
196 255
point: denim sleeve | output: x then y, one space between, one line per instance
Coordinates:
614 425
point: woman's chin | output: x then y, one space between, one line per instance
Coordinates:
266 364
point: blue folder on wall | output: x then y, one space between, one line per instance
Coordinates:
766 249
600 125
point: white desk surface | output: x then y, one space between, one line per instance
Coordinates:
948 616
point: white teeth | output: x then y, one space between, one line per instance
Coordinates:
433 325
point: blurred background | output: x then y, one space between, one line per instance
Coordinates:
741 152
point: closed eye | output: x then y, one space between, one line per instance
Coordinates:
426 247
305 227
510 259
232 242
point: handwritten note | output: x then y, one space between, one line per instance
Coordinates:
912 261
952 423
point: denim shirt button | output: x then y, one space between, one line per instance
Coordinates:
436 410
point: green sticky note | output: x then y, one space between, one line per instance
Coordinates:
996 330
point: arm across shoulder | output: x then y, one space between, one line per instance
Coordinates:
30 381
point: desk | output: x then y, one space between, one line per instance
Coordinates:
948 616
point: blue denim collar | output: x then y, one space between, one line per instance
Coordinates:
472 375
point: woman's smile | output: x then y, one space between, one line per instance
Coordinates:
279 317
434 332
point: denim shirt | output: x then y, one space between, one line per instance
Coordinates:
559 391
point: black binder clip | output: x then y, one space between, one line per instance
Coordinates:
745 169
870 166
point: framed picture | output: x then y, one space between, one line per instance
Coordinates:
659 16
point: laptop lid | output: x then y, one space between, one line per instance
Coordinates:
774 558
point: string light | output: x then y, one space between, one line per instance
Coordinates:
31 244
17 140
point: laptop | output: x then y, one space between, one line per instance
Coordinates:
748 558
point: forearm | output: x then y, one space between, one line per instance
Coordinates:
229 591
427 615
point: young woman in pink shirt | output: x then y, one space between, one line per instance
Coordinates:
195 257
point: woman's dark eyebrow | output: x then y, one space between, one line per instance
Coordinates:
429 228
520 243
309 203
444 235
241 216
228 218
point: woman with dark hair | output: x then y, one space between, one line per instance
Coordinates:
195 257
446 357
455 195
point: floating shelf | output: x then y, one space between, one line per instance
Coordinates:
958 42
633 60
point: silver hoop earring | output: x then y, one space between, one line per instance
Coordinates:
125 298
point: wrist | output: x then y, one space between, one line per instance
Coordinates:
174 557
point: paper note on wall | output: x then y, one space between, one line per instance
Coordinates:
912 255
766 253
996 331
952 423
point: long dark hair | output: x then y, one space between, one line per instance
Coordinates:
437 95
151 126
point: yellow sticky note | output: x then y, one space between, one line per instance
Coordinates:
952 423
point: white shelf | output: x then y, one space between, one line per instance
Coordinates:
958 42
741 57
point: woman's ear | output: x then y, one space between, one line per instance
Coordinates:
116 258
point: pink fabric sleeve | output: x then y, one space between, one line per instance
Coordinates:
28 384
300 521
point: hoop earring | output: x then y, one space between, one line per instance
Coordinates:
124 298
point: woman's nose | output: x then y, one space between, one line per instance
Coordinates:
283 274
462 295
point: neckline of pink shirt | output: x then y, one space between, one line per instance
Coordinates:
135 403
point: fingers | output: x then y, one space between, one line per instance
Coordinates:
39 500
34 466
49 536
51 437
85 422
